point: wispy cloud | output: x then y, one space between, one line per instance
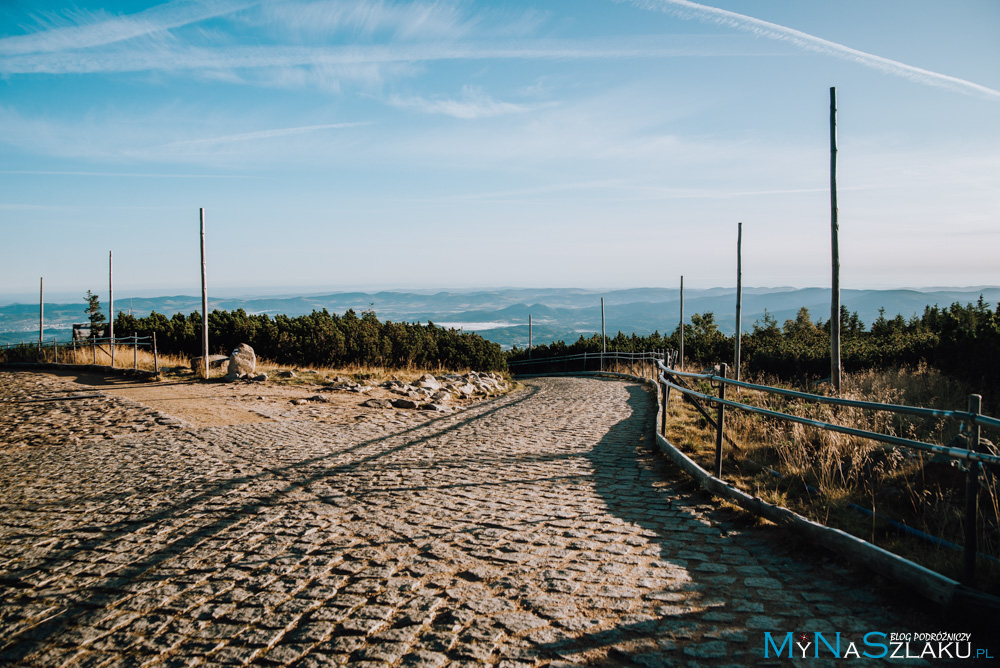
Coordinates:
141 175
759 28
473 103
172 58
258 135
98 30
369 18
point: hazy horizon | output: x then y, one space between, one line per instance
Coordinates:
66 297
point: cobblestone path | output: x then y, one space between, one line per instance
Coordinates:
535 529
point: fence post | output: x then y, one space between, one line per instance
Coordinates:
135 350
665 399
55 350
93 348
972 494
156 361
722 416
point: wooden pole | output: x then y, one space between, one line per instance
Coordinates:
835 370
156 360
529 336
720 424
682 324
111 307
739 299
135 350
604 336
204 299
41 311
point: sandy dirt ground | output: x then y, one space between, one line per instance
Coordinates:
216 402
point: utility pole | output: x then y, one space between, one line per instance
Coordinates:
204 299
111 305
682 325
41 310
604 335
739 298
835 369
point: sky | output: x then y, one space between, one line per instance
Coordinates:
581 143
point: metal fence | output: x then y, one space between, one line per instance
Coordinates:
84 351
973 456
638 364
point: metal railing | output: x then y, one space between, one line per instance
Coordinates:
636 363
973 418
70 352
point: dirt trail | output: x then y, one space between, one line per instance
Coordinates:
216 402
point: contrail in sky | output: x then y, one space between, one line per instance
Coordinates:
759 28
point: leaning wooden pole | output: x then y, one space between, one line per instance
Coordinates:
739 299
204 300
835 370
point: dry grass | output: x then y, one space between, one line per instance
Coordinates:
819 473
174 366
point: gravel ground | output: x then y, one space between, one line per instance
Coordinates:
538 528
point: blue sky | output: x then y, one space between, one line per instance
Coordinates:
458 144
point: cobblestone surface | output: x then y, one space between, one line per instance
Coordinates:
534 529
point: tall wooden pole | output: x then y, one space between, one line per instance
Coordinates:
682 324
739 298
41 310
529 336
604 330
204 299
604 335
835 249
111 305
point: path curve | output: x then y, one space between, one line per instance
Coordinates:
536 529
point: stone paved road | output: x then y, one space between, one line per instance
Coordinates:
535 529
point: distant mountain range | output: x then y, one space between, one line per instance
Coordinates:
501 315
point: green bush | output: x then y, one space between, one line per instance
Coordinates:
321 339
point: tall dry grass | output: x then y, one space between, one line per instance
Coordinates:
127 356
820 473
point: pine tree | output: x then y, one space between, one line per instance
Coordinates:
94 314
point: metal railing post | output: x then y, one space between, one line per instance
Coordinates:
719 423
972 495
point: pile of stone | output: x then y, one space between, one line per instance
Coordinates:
429 392
436 393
